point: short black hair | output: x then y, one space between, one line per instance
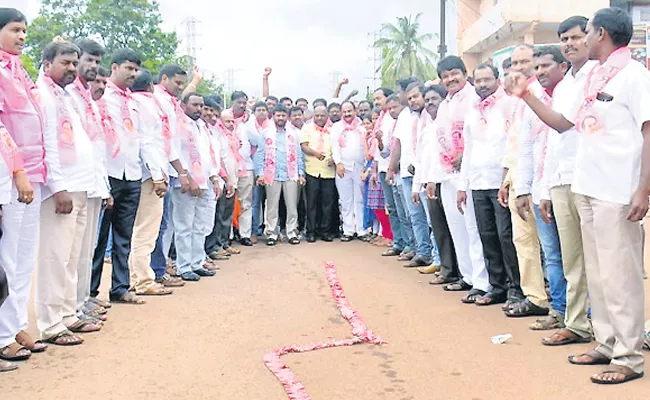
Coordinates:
572 22
366 101
450 63
272 98
54 49
238 94
301 99
405 82
319 100
171 71
438 89
416 85
191 94
367 116
616 22
333 105
211 101
91 47
386 91
8 15
285 98
121 56
281 108
103 71
260 104
495 71
217 98
393 97
507 63
142 81
354 107
295 109
553 51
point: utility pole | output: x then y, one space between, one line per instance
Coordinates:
442 49
190 39
377 57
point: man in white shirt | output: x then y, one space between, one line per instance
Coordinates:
445 169
69 157
348 152
559 164
485 135
612 117
150 206
128 150
406 133
193 211
262 113
87 71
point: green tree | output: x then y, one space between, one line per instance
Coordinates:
404 52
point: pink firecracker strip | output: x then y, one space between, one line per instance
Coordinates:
292 385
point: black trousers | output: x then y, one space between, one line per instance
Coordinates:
302 209
336 214
126 198
321 194
495 228
219 238
444 241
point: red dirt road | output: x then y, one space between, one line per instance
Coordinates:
208 339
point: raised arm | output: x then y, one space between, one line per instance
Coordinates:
265 82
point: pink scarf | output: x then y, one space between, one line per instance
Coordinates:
164 118
270 153
322 132
13 91
9 151
354 126
91 122
65 134
598 78
234 143
374 142
450 132
197 171
112 138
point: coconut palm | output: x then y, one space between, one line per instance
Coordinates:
403 51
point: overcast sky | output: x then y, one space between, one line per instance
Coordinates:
304 41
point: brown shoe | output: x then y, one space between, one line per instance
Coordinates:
171 270
431 269
232 250
170 281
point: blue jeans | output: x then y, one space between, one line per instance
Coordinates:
109 246
193 220
434 249
403 215
257 210
550 241
399 238
158 257
418 220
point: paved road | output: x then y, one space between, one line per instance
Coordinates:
208 339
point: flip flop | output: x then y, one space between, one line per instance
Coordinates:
6 366
526 309
37 347
627 372
129 298
566 337
77 340
596 359
21 354
460 286
85 326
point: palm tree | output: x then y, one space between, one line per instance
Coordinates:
403 51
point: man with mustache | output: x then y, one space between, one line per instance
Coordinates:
68 157
98 85
124 166
485 135
610 200
21 116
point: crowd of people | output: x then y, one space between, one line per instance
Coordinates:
523 188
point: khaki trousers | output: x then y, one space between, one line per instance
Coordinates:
60 247
290 191
524 235
245 188
567 220
85 266
143 241
613 261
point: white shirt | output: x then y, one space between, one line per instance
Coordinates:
103 188
561 150
6 173
404 131
168 107
149 119
608 162
383 156
485 139
353 153
63 173
199 132
127 163
245 150
426 147
220 148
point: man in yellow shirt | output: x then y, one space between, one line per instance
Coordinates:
319 168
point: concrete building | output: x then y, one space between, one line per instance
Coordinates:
488 28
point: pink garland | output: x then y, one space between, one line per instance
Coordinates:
362 334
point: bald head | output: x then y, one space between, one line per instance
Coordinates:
522 60
320 116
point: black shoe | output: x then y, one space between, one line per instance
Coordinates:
246 242
271 242
327 238
204 272
190 276
346 238
311 238
294 240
